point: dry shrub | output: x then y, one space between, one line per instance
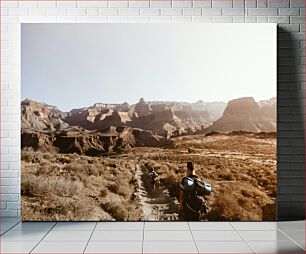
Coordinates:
227 175
27 156
32 185
116 210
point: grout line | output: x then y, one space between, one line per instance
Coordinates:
247 243
10 228
290 238
143 232
42 238
90 237
193 237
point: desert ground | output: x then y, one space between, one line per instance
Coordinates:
241 166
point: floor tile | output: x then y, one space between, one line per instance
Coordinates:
114 247
166 226
223 247
68 226
99 236
119 226
17 247
167 236
169 247
211 226
9 220
69 236
22 236
276 247
60 247
273 235
291 225
216 236
33 226
297 235
253 226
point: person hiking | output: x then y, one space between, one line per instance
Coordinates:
191 196
153 174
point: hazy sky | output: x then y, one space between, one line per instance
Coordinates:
77 65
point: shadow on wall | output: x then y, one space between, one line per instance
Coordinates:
290 129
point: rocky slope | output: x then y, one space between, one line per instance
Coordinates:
244 114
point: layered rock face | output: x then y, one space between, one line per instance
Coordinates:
244 114
104 128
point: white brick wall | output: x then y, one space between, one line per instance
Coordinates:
289 13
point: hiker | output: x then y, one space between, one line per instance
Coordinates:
191 197
153 174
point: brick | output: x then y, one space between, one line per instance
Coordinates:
13 205
238 19
297 20
211 11
222 3
261 19
262 4
159 19
9 213
128 12
9 4
181 19
202 3
139 4
68 19
238 3
233 12
37 11
47 4
18 12
56 12
291 174
172 11
108 11
290 182
92 11
117 19
262 12
182 4
8 181
297 3
2 206
279 20
92 4
66 4
302 11
248 19
150 12
250 3
201 19
290 198
289 11
160 4
118 4
192 11
9 197
278 3
9 173
222 19
289 28
76 12
138 19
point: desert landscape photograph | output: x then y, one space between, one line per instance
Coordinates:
114 118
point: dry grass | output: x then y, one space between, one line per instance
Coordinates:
241 169
73 187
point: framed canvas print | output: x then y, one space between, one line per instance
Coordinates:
148 122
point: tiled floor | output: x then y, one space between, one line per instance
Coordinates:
152 237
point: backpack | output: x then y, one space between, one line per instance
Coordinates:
194 190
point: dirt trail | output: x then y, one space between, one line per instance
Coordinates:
157 204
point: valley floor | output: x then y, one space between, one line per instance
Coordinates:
240 166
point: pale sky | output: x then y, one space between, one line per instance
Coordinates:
77 65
